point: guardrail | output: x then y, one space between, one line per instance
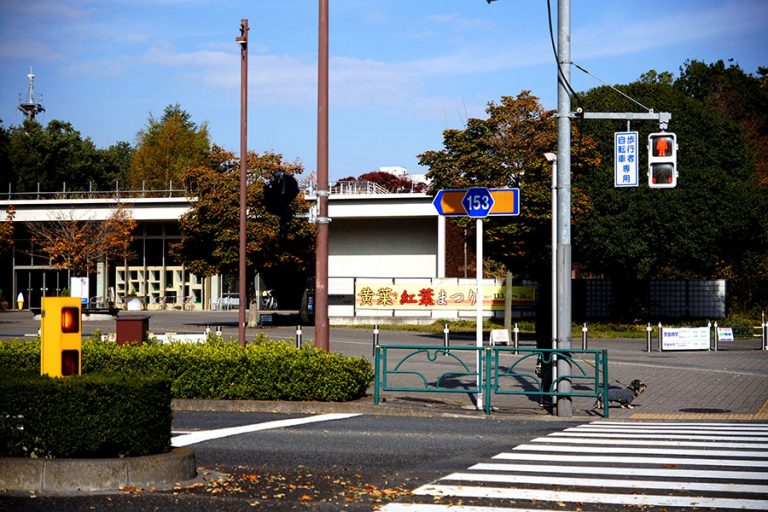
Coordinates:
487 371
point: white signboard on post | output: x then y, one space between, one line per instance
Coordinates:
625 159
685 338
78 287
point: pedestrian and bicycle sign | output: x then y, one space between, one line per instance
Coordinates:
478 202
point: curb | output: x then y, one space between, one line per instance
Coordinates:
52 477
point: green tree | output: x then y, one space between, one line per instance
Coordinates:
166 148
735 95
507 150
57 154
712 225
283 253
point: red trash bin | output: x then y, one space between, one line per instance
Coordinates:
132 329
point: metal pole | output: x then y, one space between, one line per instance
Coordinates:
243 42
446 339
375 337
298 336
648 331
564 404
479 308
322 328
661 330
717 334
516 337
584 332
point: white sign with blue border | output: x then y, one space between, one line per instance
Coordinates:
625 157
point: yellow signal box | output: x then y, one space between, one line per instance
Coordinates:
61 339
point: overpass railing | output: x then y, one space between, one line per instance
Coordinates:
488 371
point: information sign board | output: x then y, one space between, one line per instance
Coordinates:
685 338
625 157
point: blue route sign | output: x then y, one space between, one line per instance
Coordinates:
478 202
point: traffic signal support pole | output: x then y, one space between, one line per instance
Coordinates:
563 336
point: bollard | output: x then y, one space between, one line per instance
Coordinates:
446 340
765 333
298 336
648 334
207 331
218 331
717 334
660 336
516 337
375 338
584 331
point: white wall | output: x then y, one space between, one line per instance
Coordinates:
405 247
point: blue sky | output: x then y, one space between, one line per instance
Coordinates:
402 71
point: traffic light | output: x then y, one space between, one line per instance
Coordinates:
662 160
61 337
279 193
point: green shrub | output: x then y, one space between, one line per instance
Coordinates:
263 370
92 416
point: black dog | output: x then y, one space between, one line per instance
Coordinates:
623 396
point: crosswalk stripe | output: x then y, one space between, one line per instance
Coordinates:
617 463
207 435
655 442
588 497
640 450
602 482
613 471
656 436
633 431
631 460
670 424
434 507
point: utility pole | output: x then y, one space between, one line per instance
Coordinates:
322 330
563 336
242 40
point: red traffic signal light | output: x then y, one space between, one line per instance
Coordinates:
70 320
662 160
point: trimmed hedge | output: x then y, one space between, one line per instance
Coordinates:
263 370
91 416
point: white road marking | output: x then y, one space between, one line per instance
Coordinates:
635 450
632 460
207 435
636 435
589 497
697 426
428 507
655 442
664 432
613 471
603 482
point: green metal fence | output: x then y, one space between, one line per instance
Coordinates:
494 370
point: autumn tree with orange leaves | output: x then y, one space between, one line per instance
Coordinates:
7 230
507 150
79 244
282 251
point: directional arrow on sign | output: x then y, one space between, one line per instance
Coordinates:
454 203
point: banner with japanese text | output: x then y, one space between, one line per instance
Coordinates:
437 296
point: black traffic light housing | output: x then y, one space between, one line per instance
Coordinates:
662 160
278 194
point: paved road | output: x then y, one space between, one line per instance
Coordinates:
354 463
612 465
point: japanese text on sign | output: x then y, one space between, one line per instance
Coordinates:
434 296
625 159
